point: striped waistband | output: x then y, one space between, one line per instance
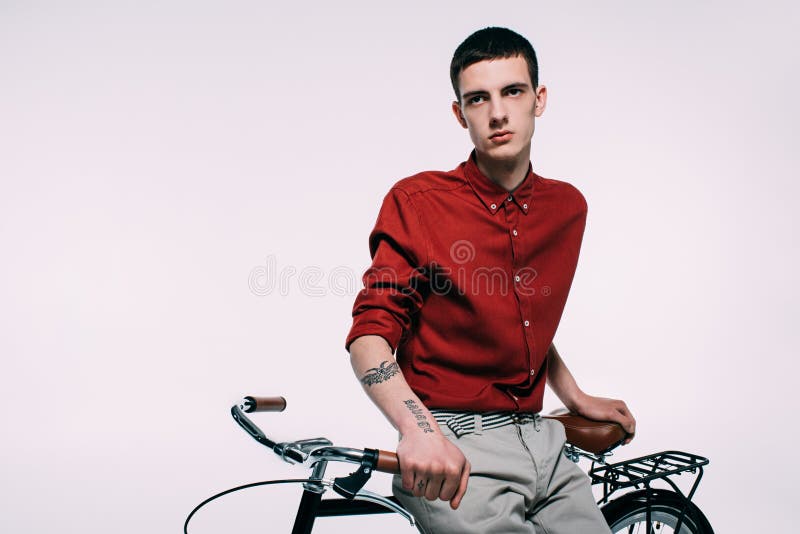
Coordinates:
462 423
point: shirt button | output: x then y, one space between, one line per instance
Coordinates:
510 198
517 278
524 206
527 323
514 231
493 206
533 372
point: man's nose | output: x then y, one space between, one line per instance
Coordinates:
498 114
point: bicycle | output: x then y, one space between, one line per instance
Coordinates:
646 509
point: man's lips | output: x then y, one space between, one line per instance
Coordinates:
501 136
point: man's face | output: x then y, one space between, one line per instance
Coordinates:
498 107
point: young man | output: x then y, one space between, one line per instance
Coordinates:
471 270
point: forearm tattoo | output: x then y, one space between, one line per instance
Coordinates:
376 375
422 420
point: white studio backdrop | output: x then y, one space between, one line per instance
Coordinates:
186 190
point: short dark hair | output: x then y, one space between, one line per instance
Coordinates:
492 43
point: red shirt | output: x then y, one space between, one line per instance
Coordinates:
468 282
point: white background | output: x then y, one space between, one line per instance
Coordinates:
155 154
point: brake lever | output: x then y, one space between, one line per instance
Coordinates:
349 486
366 495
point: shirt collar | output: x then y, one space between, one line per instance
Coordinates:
493 195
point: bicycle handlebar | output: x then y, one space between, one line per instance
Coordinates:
308 451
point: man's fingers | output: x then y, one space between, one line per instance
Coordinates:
628 423
433 489
625 418
462 487
407 479
420 485
450 486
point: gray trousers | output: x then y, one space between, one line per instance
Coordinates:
520 482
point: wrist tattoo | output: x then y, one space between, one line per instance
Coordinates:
422 421
376 375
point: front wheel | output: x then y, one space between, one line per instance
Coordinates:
628 514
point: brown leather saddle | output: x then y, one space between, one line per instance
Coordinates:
597 437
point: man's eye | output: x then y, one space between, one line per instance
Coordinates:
514 91
477 99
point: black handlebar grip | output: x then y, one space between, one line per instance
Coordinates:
263 404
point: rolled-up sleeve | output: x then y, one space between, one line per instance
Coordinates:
394 283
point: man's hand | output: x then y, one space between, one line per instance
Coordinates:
563 384
602 409
433 467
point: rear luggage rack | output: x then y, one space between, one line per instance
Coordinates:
641 471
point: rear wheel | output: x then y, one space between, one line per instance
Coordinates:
628 514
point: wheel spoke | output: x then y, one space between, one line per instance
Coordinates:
662 521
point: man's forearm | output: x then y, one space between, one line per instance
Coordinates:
379 374
561 380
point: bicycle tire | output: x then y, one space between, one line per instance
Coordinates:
628 513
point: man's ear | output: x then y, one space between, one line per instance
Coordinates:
541 100
459 115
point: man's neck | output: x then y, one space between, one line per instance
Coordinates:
508 174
